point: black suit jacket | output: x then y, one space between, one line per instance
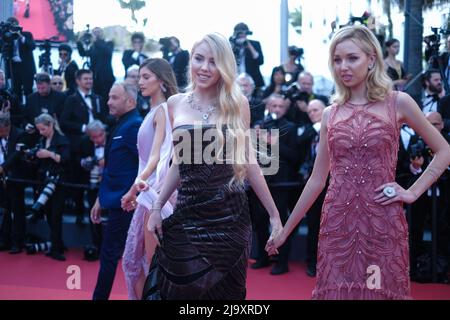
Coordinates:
87 149
252 65
128 60
69 76
36 105
101 60
59 145
75 114
14 164
444 110
180 65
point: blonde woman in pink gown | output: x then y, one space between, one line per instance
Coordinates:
156 80
363 239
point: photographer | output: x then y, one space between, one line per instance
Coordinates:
100 53
9 103
257 107
45 100
248 55
12 167
143 103
420 157
179 60
292 67
300 93
20 53
92 153
52 157
289 157
67 68
134 56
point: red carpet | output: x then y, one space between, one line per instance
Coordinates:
40 22
37 277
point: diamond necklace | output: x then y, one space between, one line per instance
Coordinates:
205 114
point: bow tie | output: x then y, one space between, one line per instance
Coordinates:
434 96
88 96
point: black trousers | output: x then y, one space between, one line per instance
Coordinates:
114 238
313 218
22 80
14 225
53 210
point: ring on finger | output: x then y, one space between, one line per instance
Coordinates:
389 192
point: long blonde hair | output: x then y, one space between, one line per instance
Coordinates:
230 102
378 83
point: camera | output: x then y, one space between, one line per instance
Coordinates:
87 37
269 122
5 97
30 153
89 163
46 193
165 46
294 94
295 51
44 59
419 149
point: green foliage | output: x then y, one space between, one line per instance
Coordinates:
133 6
295 19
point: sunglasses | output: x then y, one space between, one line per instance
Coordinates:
57 83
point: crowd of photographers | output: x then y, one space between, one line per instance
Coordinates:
57 138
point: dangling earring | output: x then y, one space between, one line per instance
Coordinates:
163 87
371 67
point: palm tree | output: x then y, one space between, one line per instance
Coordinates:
133 5
413 37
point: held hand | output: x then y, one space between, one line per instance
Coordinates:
399 194
96 213
43 154
277 230
128 201
154 225
274 242
140 185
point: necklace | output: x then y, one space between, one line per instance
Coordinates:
205 114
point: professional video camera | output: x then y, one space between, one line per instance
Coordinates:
433 43
294 94
165 46
46 193
44 59
8 33
29 153
87 36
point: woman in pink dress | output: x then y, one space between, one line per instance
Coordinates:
157 81
363 239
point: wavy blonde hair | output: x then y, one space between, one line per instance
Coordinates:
230 102
378 83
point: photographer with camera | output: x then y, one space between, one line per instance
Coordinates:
44 100
292 67
420 157
9 103
12 166
248 55
179 61
299 94
100 54
134 56
289 158
92 153
52 157
17 47
67 68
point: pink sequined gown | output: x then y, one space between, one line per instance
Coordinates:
357 235
134 258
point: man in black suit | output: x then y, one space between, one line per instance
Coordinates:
288 157
80 109
134 56
12 165
444 110
23 66
45 100
179 60
67 68
248 55
100 54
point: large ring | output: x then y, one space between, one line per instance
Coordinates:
389 192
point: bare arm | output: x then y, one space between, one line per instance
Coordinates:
313 187
258 183
410 113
